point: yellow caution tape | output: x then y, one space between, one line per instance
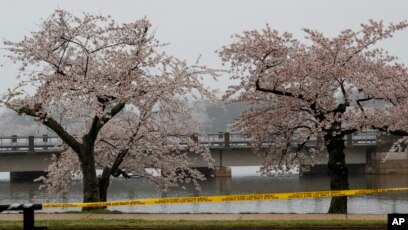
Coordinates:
226 198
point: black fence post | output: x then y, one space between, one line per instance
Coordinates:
28 214
28 219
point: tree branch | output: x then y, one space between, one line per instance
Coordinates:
279 92
53 125
341 108
110 144
401 133
99 122
347 132
70 40
343 91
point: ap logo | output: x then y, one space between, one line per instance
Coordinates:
397 221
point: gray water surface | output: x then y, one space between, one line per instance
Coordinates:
137 188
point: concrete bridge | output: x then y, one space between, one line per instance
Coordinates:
234 150
26 157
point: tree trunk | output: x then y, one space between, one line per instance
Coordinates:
338 172
103 183
90 190
104 179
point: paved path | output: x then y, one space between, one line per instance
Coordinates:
63 216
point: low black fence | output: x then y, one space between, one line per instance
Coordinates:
28 214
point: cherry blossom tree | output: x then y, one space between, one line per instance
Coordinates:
158 136
324 87
90 69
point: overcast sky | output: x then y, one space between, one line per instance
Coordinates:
201 27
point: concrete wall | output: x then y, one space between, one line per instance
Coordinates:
388 163
354 155
233 156
24 161
243 156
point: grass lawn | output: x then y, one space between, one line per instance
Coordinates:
91 223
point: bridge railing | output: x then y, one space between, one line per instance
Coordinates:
368 137
53 143
364 137
30 143
226 139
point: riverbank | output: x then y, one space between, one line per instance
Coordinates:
198 221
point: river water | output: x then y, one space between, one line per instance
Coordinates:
240 183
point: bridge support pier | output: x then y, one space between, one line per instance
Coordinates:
207 172
222 171
25 176
223 185
218 171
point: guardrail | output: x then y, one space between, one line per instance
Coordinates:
28 214
53 143
30 144
237 140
